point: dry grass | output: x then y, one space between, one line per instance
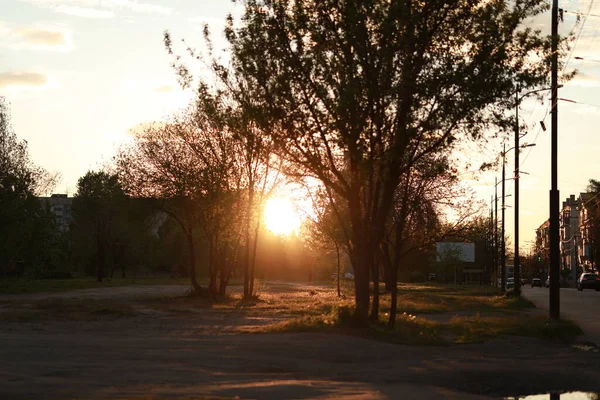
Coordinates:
477 329
503 316
484 313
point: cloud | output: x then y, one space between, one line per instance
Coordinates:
36 38
164 89
42 37
99 8
23 79
84 12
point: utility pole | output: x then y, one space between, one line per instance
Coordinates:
516 267
492 271
496 229
554 195
503 249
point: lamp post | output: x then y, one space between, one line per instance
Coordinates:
517 137
503 252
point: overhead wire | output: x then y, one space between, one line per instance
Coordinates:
563 70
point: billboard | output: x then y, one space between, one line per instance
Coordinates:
464 251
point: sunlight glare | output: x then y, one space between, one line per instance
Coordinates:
280 216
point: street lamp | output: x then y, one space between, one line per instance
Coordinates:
503 253
517 137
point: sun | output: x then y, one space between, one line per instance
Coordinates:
280 216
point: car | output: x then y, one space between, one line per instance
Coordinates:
536 282
510 283
588 281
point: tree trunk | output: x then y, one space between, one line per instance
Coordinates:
375 304
361 281
337 250
197 288
387 267
224 273
394 293
253 259
247 278
213 268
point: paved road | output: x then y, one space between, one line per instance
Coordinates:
582 308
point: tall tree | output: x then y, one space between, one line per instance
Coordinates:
228 104
21 215
355 92
191 168
95 205
324 229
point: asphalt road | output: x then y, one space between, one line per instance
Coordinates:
583 308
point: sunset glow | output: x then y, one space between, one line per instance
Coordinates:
280 216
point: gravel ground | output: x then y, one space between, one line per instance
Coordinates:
162 354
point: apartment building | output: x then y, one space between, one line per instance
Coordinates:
60 206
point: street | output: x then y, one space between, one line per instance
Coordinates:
583 308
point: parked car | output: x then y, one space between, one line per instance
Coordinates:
588 281
536 282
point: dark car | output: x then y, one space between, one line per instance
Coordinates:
536 282
588 281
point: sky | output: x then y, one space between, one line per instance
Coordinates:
79 75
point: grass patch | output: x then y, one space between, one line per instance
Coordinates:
18 286
436 298
503 316
477 329
409 329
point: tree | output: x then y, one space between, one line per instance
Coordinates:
190 167
227 104
354 93
98 199
324 230
426 195
22 219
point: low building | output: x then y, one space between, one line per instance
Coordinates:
569 233
60 206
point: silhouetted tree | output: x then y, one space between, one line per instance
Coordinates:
22 217
191 168
95 206
355 93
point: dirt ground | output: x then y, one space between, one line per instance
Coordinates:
158 352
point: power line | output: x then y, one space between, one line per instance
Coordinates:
563 70
579 13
